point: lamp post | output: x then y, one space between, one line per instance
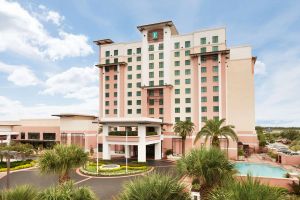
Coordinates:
126 154
8 154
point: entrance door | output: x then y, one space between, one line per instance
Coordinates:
150 151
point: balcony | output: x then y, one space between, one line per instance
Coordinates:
129 133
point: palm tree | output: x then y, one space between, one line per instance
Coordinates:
184 129
248 189
154 186
213 129
19 193
61 159
67 190
209 166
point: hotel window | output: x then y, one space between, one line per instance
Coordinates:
203 69
161 82
129 68
151 83
161 73
106 86
216 117
176 45
188 109
177 63
203 99
187 44
177 91
215 68
138 93
188 118
177 119
138 76
116 52
203 59
161 46
129 94
161 102
107 53
106 69
129 59
203 79
107 103
115 77
203 50
129 76
187 52
151 47
215 39
177 81
115 111
106 94
161 92
187 100
129 85
215 57
115 103
177 110
216 88
187 62
161 55
203 89
107 111
203 119
215 78
115 94
151 102
129 111
203 40
188 81
129 51
116 60
177 100
151 74
138 50
161 64
115 85
216 108
138 58
188 90
215 48
138 111
115 68
203 109
107 78
151 93
107 61
129 102
161 111
151 111
138 84
151 65
22 135
187 71
177 72
176 54
216 98
138 67
138 102
151 56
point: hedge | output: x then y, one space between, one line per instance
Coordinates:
24 166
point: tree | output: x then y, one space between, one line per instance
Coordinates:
61 159
213 129
19 193
184 129
209 166
249 189
290 134
154 186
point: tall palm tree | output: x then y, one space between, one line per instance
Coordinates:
210 166
154 186
213 129
249 189
184 129
61 159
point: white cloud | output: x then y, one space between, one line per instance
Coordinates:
76 82
21 32
20 75
260 68
54 17
14 110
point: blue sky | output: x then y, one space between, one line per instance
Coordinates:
47 56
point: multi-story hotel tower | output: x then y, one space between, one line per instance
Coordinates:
172 77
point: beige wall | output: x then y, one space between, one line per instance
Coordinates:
77 124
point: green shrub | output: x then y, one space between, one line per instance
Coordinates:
169 152
24 166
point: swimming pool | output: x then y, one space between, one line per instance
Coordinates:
256 169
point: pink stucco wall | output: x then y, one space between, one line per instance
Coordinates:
289 159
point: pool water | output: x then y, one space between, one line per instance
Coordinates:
264 170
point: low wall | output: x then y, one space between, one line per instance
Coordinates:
289 159
276 182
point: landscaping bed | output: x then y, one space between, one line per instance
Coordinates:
16 165
132 168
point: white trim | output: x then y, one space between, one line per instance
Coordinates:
247 135
167 54
220 84
118 89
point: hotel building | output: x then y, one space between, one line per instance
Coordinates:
147 86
